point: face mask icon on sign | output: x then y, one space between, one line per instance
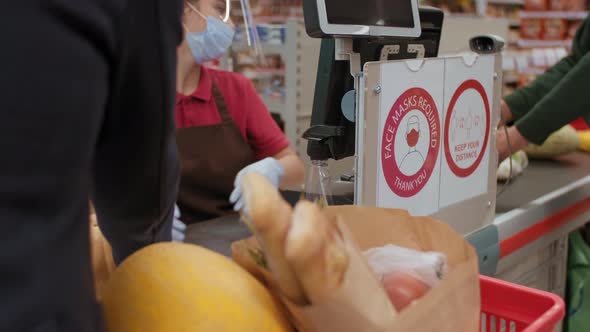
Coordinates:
413 160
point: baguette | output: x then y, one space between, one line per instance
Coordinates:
270 218
316 252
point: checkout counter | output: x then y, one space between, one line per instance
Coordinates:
524 242
527 241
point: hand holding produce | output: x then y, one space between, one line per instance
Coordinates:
316 252
269 167
270 218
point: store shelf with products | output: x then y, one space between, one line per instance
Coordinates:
267 49
506 2
564 15
523 65
541 33
286 80
508 9
537 43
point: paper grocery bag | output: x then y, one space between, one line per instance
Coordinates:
361 303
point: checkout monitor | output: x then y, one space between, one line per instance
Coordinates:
331 134
358 18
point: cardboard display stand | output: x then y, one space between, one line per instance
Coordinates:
427 138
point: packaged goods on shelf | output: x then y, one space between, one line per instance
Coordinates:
536 5
567 5
554 29
531 28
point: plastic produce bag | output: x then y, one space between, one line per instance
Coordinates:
563 141
428 267
578 288
519 164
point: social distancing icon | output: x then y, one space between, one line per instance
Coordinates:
467 128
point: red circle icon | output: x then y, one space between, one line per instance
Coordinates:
414 99
455 168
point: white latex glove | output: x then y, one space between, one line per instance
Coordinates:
269 167
178 227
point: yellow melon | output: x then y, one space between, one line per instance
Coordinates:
177 287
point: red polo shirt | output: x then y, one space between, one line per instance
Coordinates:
244 105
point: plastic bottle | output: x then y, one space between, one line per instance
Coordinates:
318 183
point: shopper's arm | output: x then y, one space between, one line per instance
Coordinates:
136 170
567 101
524 99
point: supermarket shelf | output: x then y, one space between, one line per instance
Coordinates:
514 23
274 104
267 49
273 49
275 19
510 79
506 2
263 73
528 43
562 15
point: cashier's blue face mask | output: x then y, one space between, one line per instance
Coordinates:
212 43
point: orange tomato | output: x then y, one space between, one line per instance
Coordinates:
402 289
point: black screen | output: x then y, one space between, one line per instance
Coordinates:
387 13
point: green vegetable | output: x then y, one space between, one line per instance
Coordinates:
563 141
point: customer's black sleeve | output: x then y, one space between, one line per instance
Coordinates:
136 170
86 89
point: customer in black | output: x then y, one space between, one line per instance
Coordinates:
86 110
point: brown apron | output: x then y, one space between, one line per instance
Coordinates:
211 157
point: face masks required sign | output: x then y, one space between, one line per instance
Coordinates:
434 126
410 145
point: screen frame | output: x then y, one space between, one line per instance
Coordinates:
368 30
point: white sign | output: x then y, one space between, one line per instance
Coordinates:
411 117
467 126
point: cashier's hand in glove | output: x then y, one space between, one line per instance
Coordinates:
178 227
270 167
283 170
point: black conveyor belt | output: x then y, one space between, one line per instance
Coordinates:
540 178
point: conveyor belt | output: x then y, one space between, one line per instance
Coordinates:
540 178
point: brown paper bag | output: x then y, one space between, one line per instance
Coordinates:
361 303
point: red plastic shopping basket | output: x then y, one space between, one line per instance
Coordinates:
513 308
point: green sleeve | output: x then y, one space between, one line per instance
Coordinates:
524 99
568 100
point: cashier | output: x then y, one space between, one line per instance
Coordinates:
553 100
224 129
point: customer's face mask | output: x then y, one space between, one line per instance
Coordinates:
213 42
